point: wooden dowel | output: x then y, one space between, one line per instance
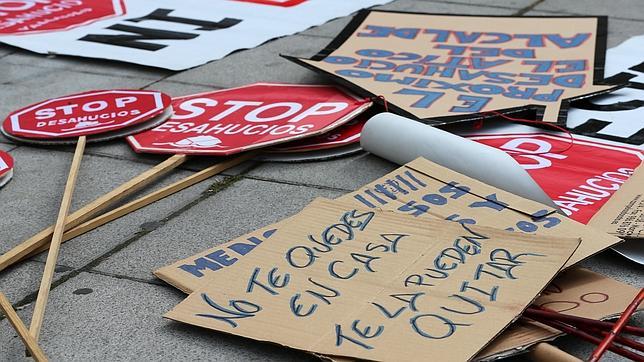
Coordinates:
89 211
29 341
544 352
152 197
56 240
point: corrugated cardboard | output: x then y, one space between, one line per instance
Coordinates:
379 285
443 68
424 189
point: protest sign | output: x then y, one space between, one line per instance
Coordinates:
310 156
240 119
85 114
6 168
424 190
579 174
618 116
443 68
169 34
342 281
344 135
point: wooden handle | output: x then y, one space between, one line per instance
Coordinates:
152 197
56 240
544 352
29 341
95 207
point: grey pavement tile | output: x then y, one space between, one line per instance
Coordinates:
85 248
175 89
7 147
629 9
22 85
33 196
261 64
87 65
347 173
121 320
18 281
243 207
618 29
332 28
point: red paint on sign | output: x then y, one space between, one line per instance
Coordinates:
6 163
258 115
282 3
582 179
342 136
86 113
35 16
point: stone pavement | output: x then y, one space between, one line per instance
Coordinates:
105 303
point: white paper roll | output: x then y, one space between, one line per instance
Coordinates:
401 140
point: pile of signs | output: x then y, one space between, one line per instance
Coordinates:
475 225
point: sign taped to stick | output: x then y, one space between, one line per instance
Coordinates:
363 290
239 119
445 68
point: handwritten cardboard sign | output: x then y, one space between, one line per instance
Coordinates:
379 285
450 67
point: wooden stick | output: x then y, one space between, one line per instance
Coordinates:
29 341
151 197
94 208
544 352
56 240
607 342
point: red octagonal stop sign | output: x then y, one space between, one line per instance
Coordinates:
234 120
6 163
581 179
35 16
86 113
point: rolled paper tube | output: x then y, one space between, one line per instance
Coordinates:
401 140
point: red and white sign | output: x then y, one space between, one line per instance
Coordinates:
38 16
239 119
344 135
6 163
86 113
581 179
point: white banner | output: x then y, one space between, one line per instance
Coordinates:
171 34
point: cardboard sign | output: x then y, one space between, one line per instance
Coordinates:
578 292
36 16
85 114
239 119
379 285
455 67
618 116
171 34
581 179
6 168
344 135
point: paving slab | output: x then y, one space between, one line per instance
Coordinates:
628 9
21 280
243 207
260 64
347 173
120 320
84 65
33 196
332 28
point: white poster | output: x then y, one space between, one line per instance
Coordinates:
171 34
618 116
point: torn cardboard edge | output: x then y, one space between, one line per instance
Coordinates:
601 36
